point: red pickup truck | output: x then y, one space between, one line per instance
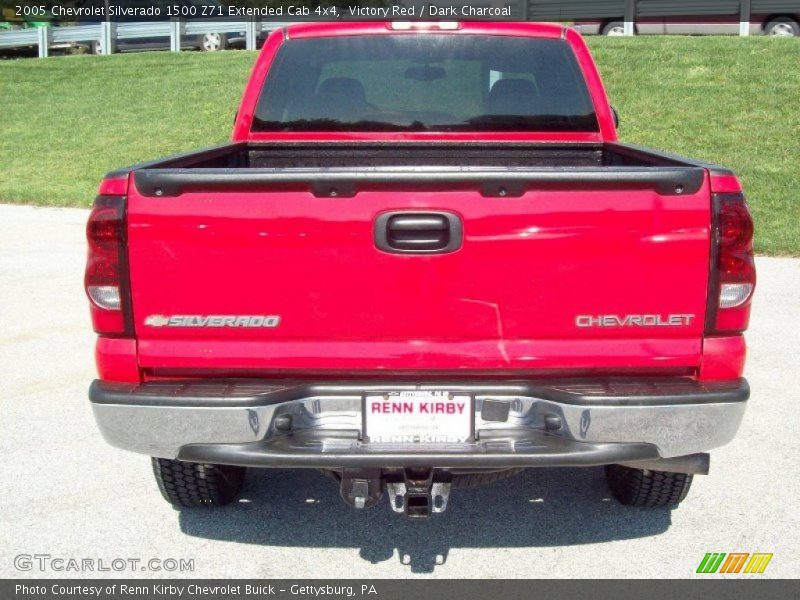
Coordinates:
424 262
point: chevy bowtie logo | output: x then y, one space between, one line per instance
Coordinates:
156 321
212 321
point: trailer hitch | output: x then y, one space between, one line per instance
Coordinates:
420 492
417 493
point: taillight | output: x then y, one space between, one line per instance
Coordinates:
733 273
106 278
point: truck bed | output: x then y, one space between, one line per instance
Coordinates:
338 169
547 239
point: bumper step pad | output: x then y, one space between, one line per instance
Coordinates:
325 450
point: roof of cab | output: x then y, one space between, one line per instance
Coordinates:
332 29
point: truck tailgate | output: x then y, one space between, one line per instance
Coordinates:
555 279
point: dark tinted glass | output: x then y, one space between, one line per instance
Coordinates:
425 82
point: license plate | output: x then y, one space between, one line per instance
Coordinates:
418 418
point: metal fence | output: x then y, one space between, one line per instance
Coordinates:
630 10
106 34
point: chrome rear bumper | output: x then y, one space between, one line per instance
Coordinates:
517 424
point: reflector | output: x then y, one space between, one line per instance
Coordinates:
104 296
734 294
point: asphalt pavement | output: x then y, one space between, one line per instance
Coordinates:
68 495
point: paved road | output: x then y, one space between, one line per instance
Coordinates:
67 494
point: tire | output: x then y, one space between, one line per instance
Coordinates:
187 485
212 42
463 481
782 27
640 487
614 28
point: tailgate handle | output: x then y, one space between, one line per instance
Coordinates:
418 232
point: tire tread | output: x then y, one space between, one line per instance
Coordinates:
184 484
640 487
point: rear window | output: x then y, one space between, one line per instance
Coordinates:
425 82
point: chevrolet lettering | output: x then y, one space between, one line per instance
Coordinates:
633 320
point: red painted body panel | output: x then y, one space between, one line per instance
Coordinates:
113 187
429 136
505 303
480 357
723 358
508 299
725 184
514 28
116 359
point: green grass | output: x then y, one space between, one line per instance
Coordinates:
732 101
68 120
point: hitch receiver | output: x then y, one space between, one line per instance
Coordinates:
420 493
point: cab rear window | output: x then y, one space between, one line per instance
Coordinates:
425 82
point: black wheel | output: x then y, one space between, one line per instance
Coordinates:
640 487
614 28
783 27
462 481
186 484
